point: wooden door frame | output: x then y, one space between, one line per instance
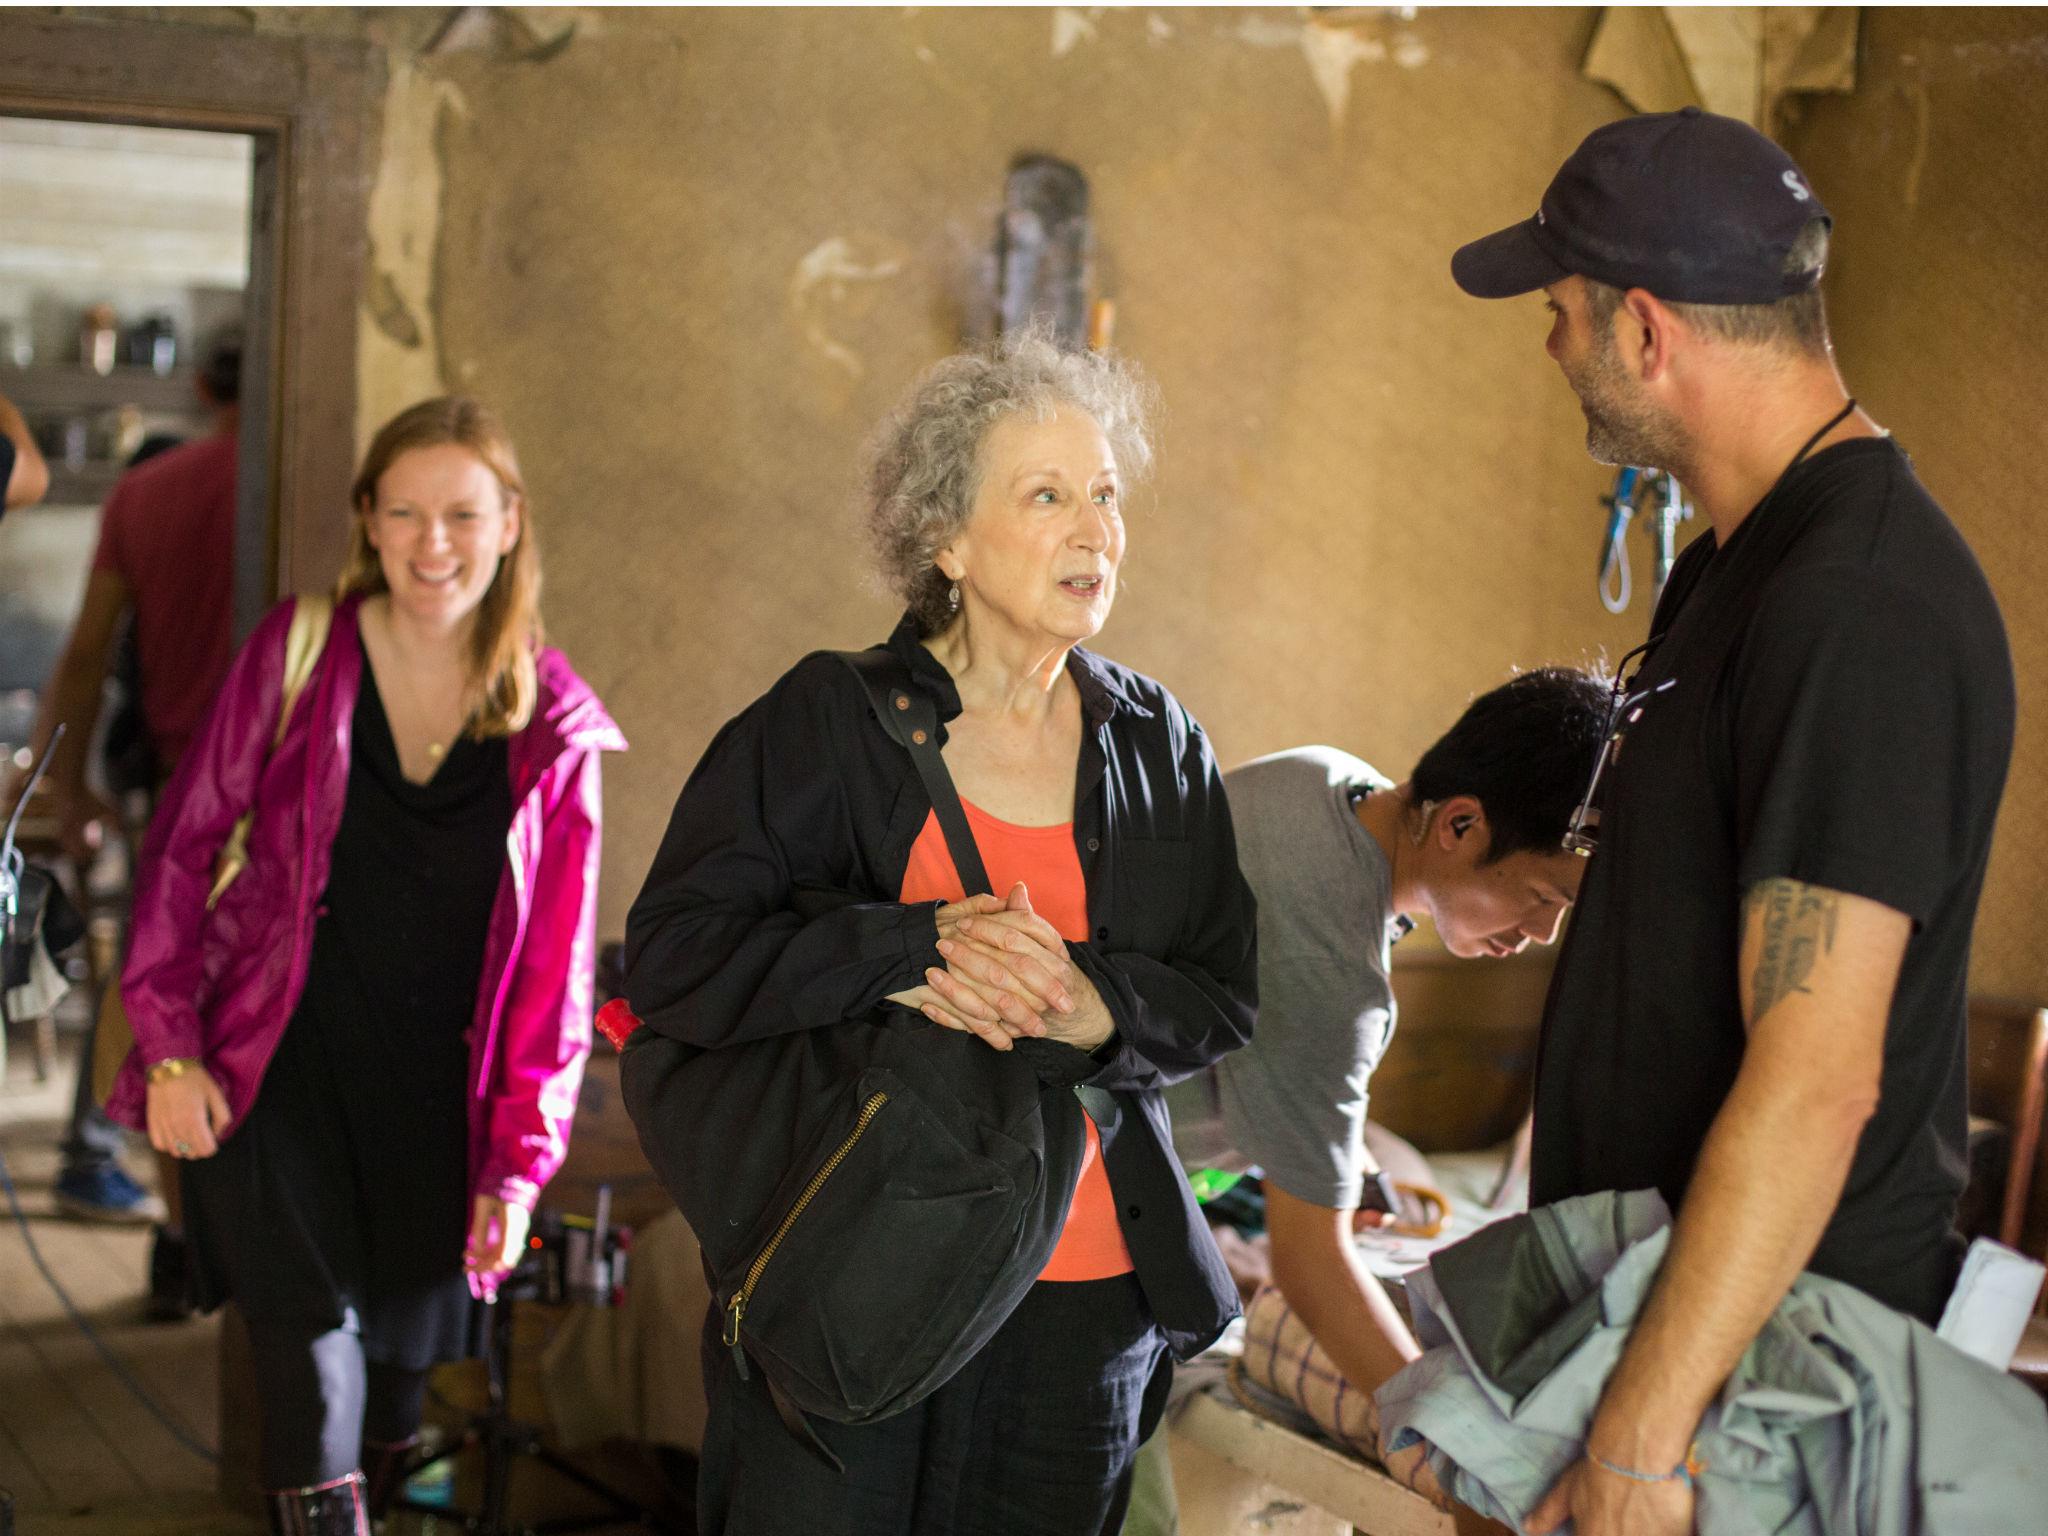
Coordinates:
309 104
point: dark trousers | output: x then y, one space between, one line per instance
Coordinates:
321 1400
1035 1437
91 1140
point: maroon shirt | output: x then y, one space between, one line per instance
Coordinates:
168 531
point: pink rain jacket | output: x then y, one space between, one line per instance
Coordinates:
222 985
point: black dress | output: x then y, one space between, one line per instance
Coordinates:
343 1199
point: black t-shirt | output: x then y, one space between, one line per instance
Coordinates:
1842 715
7 455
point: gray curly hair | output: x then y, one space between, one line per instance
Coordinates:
924 466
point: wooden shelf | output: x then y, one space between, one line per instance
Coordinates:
50 393
51 388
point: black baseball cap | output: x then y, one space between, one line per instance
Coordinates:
1697 208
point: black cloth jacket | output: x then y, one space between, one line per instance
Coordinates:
742 931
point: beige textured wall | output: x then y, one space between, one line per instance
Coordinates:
695 255
1937 173
1372 499
1371 503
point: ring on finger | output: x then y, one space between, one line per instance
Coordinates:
182 1148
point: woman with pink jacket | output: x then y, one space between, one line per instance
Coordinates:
368 1052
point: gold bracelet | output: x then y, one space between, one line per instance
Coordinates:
170 1067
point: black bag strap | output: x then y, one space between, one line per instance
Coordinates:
908 715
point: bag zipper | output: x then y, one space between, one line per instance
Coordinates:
737 1308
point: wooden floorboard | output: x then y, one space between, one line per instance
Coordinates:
102 1269
57 1434
137 1443
187 1514
80 1456
17 1473
77 1450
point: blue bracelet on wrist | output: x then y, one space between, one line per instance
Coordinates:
1682 1473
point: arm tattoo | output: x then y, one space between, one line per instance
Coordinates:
1799 927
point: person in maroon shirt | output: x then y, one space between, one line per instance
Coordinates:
166 557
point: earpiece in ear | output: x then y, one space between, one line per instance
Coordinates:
1460 825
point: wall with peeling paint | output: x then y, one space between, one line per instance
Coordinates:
1933 170
695 256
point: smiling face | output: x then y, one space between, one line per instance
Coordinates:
1498 909
439 523
1040 550
1623 425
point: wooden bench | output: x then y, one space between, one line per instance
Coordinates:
1234 1471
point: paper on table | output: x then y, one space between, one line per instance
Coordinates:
1988 1310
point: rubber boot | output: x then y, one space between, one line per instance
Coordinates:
325 1509
384 1472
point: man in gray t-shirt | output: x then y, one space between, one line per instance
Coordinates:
1341 861
1295 1105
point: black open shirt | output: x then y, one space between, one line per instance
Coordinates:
805 792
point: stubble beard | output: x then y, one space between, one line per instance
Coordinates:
1623 427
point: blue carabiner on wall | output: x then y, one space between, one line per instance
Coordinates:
1614 551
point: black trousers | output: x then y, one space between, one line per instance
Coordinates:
322 1401
91 1140
1035 1437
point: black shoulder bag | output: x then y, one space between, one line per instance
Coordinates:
873 1197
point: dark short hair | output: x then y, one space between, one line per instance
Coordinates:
220 369
1524 751
151 446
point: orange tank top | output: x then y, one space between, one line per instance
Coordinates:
1091 1245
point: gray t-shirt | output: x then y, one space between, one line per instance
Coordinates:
1292 1102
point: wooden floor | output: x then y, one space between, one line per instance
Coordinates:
77 1450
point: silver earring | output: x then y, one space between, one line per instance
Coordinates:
953 598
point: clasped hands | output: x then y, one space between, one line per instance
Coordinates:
1007 977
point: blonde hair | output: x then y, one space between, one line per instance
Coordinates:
507 632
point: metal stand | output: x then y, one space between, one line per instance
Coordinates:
503 1440
1672 511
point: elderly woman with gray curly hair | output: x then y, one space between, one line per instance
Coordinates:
1124 931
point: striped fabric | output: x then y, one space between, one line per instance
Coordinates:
1282 1357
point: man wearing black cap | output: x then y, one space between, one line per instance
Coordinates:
1760 1006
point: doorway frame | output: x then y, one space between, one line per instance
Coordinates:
310 105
